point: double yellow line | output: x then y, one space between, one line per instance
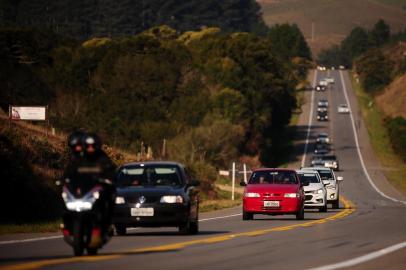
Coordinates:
349 208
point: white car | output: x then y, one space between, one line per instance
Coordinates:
329 80
323 138
323 83
315 192
343 108
333 189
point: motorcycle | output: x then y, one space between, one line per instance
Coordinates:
85 206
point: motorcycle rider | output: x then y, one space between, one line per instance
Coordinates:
90 165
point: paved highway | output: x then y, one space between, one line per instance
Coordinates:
348 237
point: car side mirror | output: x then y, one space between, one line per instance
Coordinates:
326 183
340 178
242 183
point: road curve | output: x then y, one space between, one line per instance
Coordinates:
367 222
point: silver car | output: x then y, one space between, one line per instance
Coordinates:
333 189
315 192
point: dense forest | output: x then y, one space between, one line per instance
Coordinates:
83 19
211 95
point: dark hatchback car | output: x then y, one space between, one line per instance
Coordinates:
156 194
322 116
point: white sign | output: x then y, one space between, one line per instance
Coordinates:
27 113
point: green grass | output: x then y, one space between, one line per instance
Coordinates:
374 120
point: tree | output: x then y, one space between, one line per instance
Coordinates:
380 34
356 43
287 41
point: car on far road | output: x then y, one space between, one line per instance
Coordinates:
273 192
315 192
330 80
321 148
156 194
341 67
343 108
322 102
332 184
322 116
320 87
331 161
323 138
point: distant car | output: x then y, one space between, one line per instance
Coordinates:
343 108
321 68
322 138
328 177
321 148
331 161
315 192
341 67
273 192
320 88
322 116
322 102
330 80
322 108
323 83
156 194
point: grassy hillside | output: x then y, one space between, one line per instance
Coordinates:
333 19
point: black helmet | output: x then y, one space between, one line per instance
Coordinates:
92 143
75 141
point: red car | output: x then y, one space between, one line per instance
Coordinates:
273 192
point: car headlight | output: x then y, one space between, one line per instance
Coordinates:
291 195
318 191
171 199
120 200
252 195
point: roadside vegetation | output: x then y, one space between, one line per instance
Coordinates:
388 153
201 97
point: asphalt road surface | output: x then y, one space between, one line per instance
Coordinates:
347 237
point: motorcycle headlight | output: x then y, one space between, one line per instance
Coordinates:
120 200
291 195
171 199
252 195
79 205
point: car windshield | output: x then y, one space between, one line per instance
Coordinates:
325 175
149 176
308 178
273 177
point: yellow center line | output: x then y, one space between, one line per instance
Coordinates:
349 208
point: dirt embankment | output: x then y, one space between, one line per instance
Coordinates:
393 100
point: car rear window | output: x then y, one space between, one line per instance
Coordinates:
149 176
273 177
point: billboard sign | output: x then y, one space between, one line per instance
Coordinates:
34 113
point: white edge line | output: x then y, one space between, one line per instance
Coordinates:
60 236
362 259
358 147
309 124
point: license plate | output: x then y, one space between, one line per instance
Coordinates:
142 212
271 203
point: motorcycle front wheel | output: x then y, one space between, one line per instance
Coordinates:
78 245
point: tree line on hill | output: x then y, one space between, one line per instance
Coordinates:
83 19
213 96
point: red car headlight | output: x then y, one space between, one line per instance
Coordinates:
251 195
